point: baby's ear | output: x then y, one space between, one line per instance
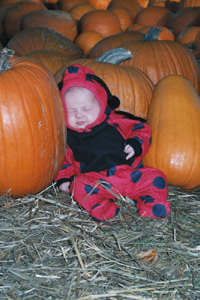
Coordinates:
113 102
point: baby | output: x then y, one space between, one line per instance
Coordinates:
106 147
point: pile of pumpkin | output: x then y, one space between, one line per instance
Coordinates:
147 52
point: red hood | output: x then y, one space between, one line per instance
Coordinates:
77 75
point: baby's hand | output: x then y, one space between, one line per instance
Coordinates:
128 149
64 187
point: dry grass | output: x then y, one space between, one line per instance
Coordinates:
52 249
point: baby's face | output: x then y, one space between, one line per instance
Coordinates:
82 107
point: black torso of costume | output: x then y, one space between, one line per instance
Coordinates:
99 149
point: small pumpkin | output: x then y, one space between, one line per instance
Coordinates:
99 4
32 127
86 40
184 18
100 20
174 116
153 15
191 38
78 10
132 5
123 15
67 5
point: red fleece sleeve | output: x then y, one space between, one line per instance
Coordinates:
132 129
68 168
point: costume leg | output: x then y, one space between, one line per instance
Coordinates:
146 186
99 202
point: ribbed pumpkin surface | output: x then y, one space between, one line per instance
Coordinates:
32 128
174 116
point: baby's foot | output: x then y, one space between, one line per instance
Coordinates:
104 210
155 209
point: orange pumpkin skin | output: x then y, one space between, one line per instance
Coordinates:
164 35
32 128
87 40
183 18
135 98
78 10
52 60
58 20
67 5
133 6
158 59
153 15
100 20
189 3
112 42
13 16
124 16
41 38
99 4
174 116
191 38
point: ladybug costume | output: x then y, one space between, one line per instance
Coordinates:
95 163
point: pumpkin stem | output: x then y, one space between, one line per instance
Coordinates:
5 55
192 46
151 35
115 56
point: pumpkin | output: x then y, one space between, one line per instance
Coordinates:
153 15
60 21
52 60
99 4
158 59
67 5
13 16
87 40
32 127
130 85
191 38
133 6
112 42
100 20
183 18
78 10
40 38
165 34
3 2
189 3
174 116
124 16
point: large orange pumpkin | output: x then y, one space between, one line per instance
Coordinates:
174 116
58 20
41 38
158 59
32 128
112 42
